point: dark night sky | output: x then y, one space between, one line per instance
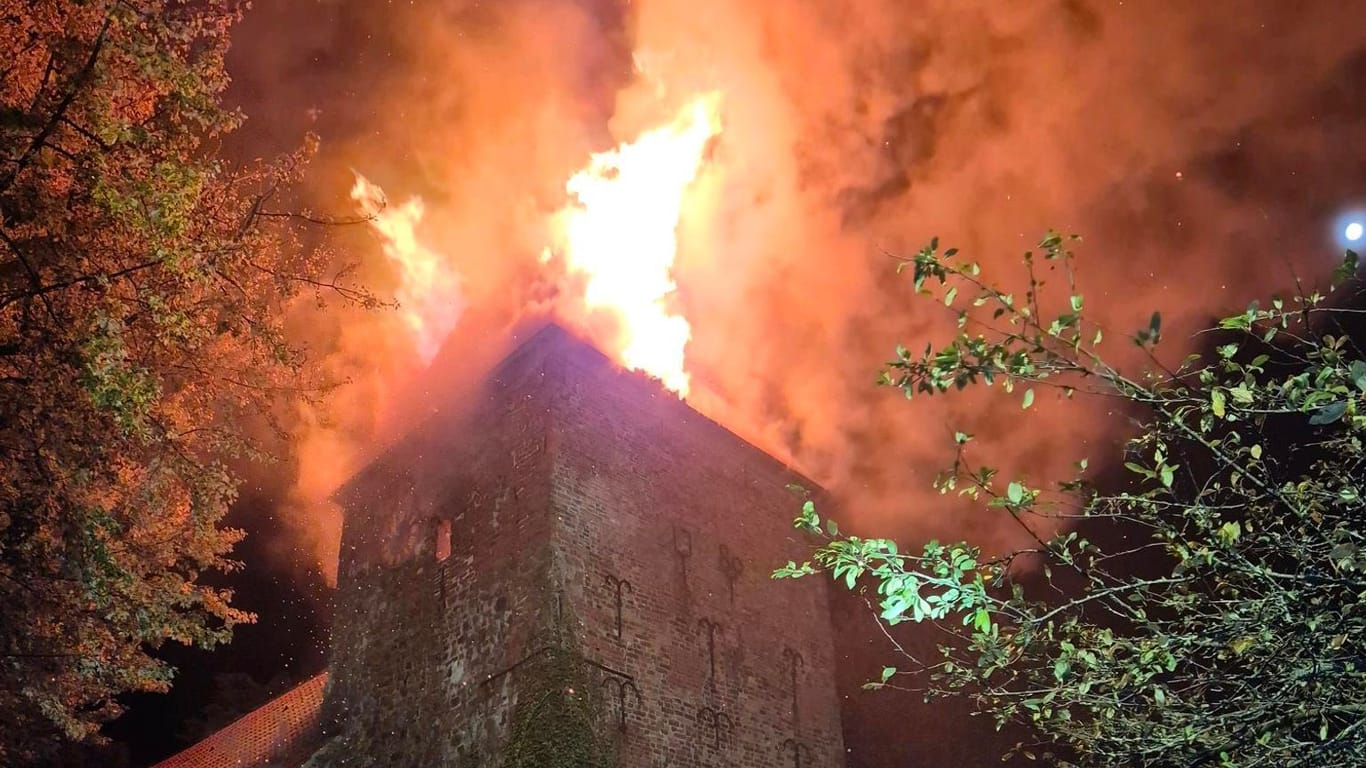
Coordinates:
1260 105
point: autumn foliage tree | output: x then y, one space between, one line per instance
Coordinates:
1209 610
143 282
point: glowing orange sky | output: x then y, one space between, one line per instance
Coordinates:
851 127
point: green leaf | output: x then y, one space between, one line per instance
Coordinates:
887 673
949 297
831 528
1229 533
1348 268
893 608
1015 492
922 608
1216 399
1358 373
1060 668
1256 451
1237 322
1241 394
1028 399
1076 303
1343 554
1329 413
1167 475
982 620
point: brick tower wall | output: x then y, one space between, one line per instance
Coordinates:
588 508
421 647
690 521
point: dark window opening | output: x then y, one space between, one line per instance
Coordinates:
443 539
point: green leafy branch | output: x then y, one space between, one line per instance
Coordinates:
1225 626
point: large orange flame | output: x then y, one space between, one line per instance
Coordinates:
428 293
617 236
619 233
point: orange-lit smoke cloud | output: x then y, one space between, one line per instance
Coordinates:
482 111
428 293
862 125
1194 149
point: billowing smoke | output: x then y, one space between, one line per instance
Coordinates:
1199 151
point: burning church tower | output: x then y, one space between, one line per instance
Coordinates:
575 571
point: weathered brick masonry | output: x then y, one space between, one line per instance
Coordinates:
588 510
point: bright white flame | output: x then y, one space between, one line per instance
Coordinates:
620 234
429 294
1353 232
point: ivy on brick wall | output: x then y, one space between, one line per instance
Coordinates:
556 718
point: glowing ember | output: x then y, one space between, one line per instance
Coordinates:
428 293
619 234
